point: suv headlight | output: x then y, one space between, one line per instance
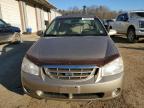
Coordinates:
29 67
114 67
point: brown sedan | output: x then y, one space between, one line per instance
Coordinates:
76 59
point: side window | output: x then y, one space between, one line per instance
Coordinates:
125 17
120 18
2 24
51 29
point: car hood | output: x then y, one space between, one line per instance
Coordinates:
73 50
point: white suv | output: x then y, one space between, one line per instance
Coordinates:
131 24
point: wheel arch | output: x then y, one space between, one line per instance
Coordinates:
131 27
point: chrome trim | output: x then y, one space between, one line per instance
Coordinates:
70 72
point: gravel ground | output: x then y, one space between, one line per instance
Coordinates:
11 95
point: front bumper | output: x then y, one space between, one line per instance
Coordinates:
107 88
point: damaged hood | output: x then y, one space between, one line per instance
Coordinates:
97 50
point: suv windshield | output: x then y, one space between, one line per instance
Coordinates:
137 15
76 27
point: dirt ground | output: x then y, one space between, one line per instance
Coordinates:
11 94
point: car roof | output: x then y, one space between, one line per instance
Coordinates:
76 16
133 11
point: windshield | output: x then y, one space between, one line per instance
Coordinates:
76 27
137 15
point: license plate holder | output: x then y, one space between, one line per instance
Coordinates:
74 89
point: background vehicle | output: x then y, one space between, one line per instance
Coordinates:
130 24
108 21
9 33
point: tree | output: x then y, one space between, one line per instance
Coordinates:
102 12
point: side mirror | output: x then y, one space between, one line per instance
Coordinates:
40 33
112 32
107 27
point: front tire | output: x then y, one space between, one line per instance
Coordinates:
131 36
17 38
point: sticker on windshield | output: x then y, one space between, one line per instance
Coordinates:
87 18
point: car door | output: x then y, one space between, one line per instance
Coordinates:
5 35
117 25
124 23
2 31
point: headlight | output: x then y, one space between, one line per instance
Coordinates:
113 67
29 67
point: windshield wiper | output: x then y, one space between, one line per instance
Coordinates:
63 35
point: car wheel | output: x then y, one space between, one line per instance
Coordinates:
131 37
17 38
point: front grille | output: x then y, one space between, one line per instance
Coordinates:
70 72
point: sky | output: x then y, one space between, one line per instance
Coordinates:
116 5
